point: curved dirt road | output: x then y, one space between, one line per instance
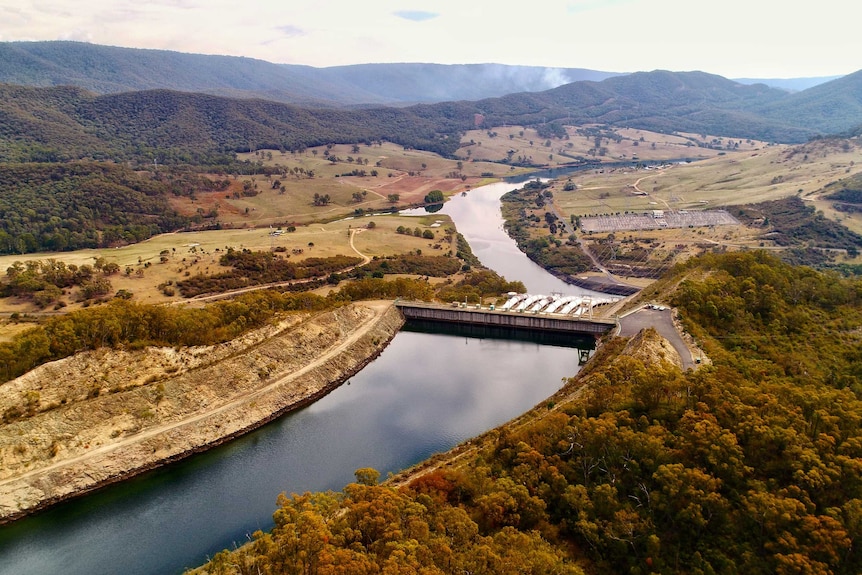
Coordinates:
204 428
662 321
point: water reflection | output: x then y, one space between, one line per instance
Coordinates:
426 393
478 218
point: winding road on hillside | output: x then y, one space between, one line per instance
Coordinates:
237 414
662 320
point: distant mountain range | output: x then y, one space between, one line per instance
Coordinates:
107 70
691 102
106 119
789 84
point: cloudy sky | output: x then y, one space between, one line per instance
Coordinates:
733 38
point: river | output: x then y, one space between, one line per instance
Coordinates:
477 217
426 393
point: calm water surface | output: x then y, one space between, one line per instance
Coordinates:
477 217
424 394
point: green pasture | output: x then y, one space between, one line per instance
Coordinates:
730 179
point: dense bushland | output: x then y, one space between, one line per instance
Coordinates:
57 207
790 222
44 282
846 194
748 465
252 268
477 285
434 266
521 209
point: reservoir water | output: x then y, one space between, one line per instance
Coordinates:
426 393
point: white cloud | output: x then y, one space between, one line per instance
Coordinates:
290 31
735 38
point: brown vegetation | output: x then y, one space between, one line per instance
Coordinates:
749 464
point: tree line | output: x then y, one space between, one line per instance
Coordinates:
122 323
71 206
549 250
250 268
63 123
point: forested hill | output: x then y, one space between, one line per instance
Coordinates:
748 465
832 107
62 123
49 124
664 102
108 69
76 205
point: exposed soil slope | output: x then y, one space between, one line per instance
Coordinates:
158 405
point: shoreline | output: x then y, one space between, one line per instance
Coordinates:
363 341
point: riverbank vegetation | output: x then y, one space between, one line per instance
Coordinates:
750 464
122 323
531 220
796 201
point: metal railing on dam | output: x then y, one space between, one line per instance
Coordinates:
492 317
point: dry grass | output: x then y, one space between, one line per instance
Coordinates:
198 252
249 220
408 173
480 145
852 221
8 329
756 173
731 179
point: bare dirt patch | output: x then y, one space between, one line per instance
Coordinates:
103 416
413 189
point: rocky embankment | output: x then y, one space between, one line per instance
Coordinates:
100 417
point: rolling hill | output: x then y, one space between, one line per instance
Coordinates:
835 106
61 123
108 70
661 101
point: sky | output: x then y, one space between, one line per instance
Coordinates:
732 38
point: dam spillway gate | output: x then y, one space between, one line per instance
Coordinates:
496 318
